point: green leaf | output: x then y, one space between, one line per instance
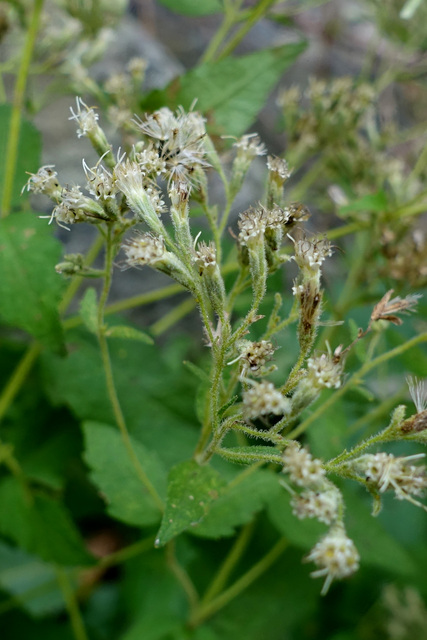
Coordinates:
89 310
28 157
237 504
41 526
31 581
230 92
193 7
301 533
376 202
156 401
113 473
128 333
191 490
375 545
30 289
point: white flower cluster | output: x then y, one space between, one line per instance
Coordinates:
324 371
254 356
250 146
322 505
335 555
144 249
262 399
386 471
205 257
279 167
304 470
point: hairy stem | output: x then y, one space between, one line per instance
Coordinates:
109 378
17 108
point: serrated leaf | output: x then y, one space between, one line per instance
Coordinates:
115 476
238 503
128 333
31 581
30 289
191 490
232 91
156 402
89 310
28 156
193 7
41 526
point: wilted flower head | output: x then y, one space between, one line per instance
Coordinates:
386 309
254 356
303 469
262 399
335 555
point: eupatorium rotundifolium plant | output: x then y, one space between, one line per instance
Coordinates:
153 185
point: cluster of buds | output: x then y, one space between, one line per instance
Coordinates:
263 399
248 147
335 554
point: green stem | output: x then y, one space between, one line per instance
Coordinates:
144 298
228 22
355 379
71 603
109 378
247 457
127 553
17 109
256 14
213 606
182 576
173 316
18 376
232 558
76 282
